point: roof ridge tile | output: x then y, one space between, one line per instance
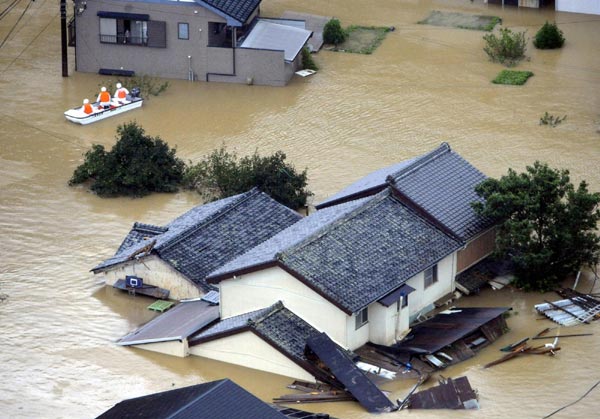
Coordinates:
420 162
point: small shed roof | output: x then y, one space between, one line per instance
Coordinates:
276 36
222 399
178 323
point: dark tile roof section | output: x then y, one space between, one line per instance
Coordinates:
442 183
221 399
178 323
139 233
240 10
276 324
267 251
369 185
204 239
369 253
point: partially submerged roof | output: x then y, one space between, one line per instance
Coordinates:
352 254
239 10
209 235
277 325
275 36
178 323
440 183
222 399
448 327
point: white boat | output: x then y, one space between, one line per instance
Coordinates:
77 115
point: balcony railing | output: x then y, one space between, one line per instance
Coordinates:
124 40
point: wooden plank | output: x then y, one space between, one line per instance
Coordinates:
344 370
449 395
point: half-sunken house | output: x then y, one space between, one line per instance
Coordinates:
209 40
177 257
440 185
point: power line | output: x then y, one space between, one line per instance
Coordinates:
16 23
571 404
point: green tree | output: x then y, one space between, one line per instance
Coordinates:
222 174
333 33
136 165
509 48
549 37
546 226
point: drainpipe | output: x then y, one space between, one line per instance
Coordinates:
190 72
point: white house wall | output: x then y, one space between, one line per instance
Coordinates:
154 271
386 322
248 350
263 288
174 348
421 300
578 6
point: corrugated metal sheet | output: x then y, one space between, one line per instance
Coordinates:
274 36
569 313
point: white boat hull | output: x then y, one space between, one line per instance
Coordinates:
77 116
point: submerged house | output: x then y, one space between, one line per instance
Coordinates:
359 271
440 186
211 40
177 257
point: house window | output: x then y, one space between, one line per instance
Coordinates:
431 276
124 29
404 300
362 318
183 30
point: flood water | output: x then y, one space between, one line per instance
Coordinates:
424 85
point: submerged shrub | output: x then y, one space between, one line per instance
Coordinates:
512 77
333 33
549 37
307 60
508 48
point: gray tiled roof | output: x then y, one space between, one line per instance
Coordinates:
210 235
301 230
373 181
221 399
278 324
140 232
443 184
370 253
240 10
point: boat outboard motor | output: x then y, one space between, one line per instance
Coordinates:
135 92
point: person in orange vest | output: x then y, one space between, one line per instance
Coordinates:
121 93
104 98
87 107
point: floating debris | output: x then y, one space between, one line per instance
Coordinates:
160 305
450 394
575 308
549 348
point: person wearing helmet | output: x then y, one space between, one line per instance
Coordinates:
104 98
121 93
87 107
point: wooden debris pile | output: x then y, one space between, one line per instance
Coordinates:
449 394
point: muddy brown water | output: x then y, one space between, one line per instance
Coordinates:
424 85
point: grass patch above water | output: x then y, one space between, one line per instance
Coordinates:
363 39
462 20
512 77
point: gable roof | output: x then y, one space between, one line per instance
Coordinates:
368 249
277 325
240 10
439 183
178 323
222 399
209 235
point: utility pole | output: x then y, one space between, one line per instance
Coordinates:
63 37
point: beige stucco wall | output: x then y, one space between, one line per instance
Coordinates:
262 67
261 289
385 323
175 347
154 271
248 350
421 300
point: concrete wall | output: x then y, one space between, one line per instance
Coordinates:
174 348
421 300
154 271
261 289
578 6
250 351
387 323
264 67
